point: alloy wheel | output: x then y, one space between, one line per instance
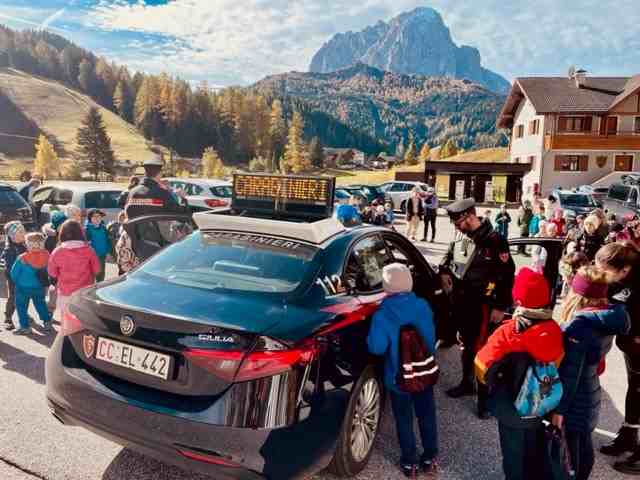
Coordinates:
365 420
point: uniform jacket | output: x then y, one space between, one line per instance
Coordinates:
24 272
411 208
524 219
489 278
74 265
394 312
150 198
98 238
588 337
122 199
10 254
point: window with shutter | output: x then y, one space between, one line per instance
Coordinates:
562 124
571 163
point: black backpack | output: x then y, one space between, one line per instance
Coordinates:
418 367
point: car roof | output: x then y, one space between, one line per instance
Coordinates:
84 186
205 182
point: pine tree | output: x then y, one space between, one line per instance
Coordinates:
449 149
212 166
94 145
410 156
425 153
277 129
296 159
123 101
47 163
316 153
86 77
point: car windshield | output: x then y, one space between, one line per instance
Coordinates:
576 199
12 199
371 191
102 199
217 260
223 191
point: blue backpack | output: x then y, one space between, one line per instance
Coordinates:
541 391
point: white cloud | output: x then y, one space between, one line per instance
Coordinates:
240 41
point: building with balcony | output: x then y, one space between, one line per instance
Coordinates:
572 130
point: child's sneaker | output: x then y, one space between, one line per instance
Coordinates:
430 468
410 470
46 327
8 324
22 331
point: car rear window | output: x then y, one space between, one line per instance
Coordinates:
9 198
102 199
219 260
577 200
223 191
619 192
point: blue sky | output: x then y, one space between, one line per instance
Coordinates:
240 41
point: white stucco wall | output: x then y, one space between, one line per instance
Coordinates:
529 145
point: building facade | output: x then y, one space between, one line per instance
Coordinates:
572 130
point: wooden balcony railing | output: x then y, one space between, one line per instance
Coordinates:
592 141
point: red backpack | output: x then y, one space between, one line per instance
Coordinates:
418 368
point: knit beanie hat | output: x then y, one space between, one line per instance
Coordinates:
34 241
531 289
12 229
396 278
57 219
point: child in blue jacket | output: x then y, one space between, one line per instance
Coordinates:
402 307
29 273
98 238
14 247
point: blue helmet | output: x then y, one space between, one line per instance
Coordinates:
348 215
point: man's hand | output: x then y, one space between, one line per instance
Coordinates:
181 193
447 282
557 420
496 316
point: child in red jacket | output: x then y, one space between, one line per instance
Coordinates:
502 363
73 263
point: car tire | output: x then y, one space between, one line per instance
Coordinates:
360 426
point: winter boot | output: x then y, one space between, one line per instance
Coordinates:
626 441
630 466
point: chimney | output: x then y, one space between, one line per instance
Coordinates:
580 78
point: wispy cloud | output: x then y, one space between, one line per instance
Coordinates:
231 41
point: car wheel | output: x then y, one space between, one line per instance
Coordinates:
360 426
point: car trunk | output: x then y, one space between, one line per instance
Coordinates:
202 352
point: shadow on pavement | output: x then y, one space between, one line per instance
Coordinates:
23 363
130 464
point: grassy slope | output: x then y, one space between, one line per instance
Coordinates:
58 111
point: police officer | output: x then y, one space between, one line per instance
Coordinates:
482 295
151 197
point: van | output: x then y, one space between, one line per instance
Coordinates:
623 197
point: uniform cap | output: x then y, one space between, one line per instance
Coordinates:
459 207
154 160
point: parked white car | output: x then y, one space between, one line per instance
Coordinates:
398 192
203 193
84 195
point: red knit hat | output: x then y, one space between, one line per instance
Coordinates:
531 289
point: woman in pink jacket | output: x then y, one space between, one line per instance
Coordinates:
73 263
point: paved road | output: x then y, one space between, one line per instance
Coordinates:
33 445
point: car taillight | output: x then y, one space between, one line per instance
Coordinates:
214 203
234 365
208 458
70 323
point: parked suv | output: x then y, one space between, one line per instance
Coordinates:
624 197
573 201
13 207
399 192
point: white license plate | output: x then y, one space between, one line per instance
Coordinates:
133 358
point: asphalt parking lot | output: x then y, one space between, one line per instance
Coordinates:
33 445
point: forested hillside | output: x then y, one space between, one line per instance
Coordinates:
240 124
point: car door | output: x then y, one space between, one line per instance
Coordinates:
150 234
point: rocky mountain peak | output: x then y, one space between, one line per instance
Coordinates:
416 42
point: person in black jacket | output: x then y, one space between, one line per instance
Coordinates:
589 324
14 247
620 262
124 196
415 213
151 197
484 292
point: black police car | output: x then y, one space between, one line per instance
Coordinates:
240 350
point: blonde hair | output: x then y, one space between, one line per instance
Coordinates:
574 301
591 223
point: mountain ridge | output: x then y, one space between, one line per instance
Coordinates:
415 42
